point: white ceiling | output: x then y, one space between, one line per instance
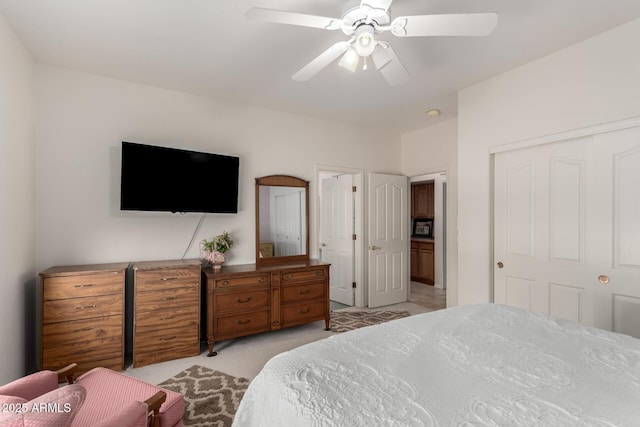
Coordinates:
207 47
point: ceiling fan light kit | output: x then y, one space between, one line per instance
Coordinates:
365 41
350 60
363 22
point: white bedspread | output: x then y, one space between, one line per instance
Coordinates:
467 366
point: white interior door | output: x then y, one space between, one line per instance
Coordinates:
388 239
567 234
288 213
336 235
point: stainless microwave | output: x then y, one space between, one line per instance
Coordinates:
423 227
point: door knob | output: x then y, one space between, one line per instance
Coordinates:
500 264
603 279
323 244
374 247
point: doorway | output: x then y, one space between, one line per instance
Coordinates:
429 240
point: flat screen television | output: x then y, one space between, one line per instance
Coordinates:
173 180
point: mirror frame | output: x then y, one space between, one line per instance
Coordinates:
281 181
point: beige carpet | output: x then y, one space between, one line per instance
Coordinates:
343 321
211 397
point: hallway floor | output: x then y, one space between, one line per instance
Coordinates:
428 296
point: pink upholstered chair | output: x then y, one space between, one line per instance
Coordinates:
100 397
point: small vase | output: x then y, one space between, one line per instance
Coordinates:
216 259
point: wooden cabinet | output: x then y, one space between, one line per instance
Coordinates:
249 299
415 268
166 318
422 200
422 262
83 317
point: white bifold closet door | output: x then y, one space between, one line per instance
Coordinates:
567 230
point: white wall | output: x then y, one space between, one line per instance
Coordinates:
596 81
430 150
17 212
83 119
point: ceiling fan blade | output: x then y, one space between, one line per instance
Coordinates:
375 8
292 18
321 61
389 65
460 24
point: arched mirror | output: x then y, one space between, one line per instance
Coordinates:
282 219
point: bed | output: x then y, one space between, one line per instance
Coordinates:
476 365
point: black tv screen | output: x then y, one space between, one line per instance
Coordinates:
173 180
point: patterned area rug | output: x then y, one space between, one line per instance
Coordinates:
211 397
343 321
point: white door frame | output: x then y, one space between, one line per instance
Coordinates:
361 294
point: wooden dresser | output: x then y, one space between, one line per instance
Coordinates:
166 311
83 317
249 299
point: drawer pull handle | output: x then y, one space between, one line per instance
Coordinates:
225 283
87 285
82 307
289 276
242 301
83 329
306 310
168 338
168 298
306 291
166 279
244 322
261 279
318 273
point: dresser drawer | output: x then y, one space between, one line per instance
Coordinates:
242 324
166 344
182 317
89 354
164 278
82 286
82 308
303 313
300 293
257 279
162 299
244 300
303 275
62 333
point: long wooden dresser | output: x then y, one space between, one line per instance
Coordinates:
83 316
249 299
166 318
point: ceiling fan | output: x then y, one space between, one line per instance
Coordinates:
364 22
